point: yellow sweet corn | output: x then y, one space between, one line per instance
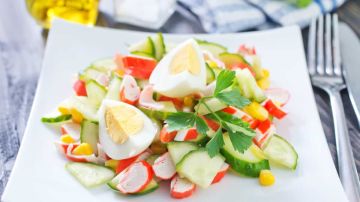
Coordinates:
112 163
266 178
83 149
67 139
264 83
212 64
64 110
76 115
266 73
257 111
188 101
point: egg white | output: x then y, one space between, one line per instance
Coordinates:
181 84
135 144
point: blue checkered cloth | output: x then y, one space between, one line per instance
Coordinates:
219 16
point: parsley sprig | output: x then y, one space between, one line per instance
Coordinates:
239 132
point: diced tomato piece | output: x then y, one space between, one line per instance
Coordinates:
80 88
274 109
166 136
138 67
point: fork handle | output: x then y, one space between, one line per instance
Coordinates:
347 169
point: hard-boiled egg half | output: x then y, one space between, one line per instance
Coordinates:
181 72
124 130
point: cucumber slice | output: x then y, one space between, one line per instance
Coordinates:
210 74
56 119
96 92
280 151
178 150
256 67
84 106
214 48
198 167
90 134
152 186
146 46
213 103
162 114
232 59
104 65
159 46
143 54
248 86
89 174
91 73
113 92
246 163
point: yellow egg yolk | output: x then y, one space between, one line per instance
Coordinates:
186 59
122 122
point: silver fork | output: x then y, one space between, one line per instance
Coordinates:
326 73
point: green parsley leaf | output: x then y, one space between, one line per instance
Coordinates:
239 141
235 124
180 120
233 98
224 80
215 144
201 126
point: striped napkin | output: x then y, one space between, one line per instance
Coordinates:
219 16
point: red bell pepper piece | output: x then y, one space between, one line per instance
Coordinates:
138 67
80 88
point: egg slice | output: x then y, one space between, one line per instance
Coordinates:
181 72
124 130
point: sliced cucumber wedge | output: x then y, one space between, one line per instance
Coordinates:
198 167
146 46
213 103
178 150
56 119
159 46
96 92
90 134
113 92
88 174
280 151
210 74
91 73
248 86
83 105
246 163
143 54
232 59
214 48
104 65
162 114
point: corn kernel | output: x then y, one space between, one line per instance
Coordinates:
266 73
67 139
112 163
257 111
266 178
64 110
76 115
120 72
264 83
188 101
83 149
212 64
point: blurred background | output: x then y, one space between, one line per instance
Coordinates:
24 26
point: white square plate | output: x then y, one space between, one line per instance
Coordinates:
39 173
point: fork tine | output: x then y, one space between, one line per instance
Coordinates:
320 46
328 54
311 47
336 46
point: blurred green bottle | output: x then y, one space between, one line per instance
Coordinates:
80 11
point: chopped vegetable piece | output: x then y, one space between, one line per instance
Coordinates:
138 67
266 178
83 149
79 88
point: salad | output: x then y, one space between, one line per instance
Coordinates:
188 113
